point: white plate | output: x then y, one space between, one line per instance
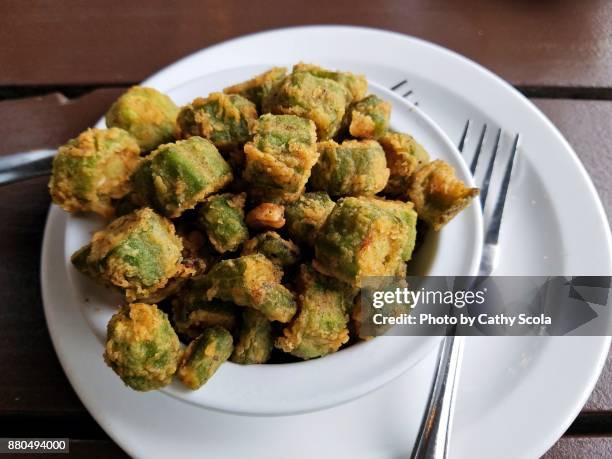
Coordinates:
516 395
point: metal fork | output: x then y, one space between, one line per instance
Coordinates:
433 438
22 166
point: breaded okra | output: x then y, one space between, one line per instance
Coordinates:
321 325
353 168
139 253
279 159
141 347
222 217
356 85
322 100
203 357
177 176
252 281
224 119
306 216
147 114
255 340
366 237
260 87
93 169
438 195
281 252
404 156
369 118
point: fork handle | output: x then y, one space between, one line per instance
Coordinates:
434 436
22 166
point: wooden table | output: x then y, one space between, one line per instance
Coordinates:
62 63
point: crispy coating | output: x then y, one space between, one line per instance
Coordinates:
252 281
281 252
279 159
322 100
353 168
177 176
438 195
369 118
224 119
192 312
255 340
147 114
321 325
306 216
92 169
366 237
204 356
259 87
404 156
356 85
222 217
266 215
138 253
141 347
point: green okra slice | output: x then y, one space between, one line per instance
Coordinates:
353 168
255 340
139 254
203 357
366 237
438 195
93 169
321 325
224 119
279 159
279 251
404 156
306 216
147 114
177 176
141 347
356 85
369 118
322 100
260 87
252 281
222 217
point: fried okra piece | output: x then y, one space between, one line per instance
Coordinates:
139 253
404 156
322 100
281 252
356 85
255 340
93 169
141 347
203 357
266 215
252 281
224 119
306 216
147 114
353 168
260 87
279 159
321 325
369 118
366 237
222 217
438 195
177 176
192 312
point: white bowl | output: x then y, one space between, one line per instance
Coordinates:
281 389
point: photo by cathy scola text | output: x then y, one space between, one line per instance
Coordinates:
495 306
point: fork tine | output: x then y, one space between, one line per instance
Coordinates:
487 177
461 143
478 149
492 229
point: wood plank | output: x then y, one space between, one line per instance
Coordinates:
580 448
561 43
